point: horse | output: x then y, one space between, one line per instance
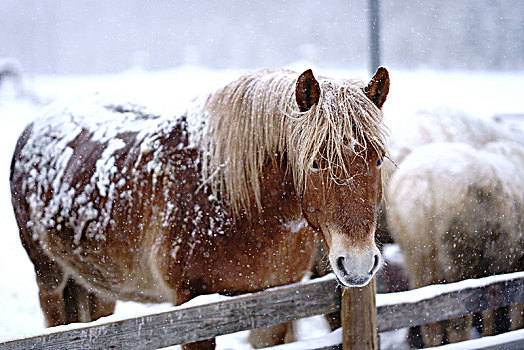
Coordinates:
115 202
457 212
443 125
407 132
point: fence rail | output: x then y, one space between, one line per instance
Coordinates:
451 300
184 325
278 305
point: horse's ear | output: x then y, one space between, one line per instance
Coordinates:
378 88
307 91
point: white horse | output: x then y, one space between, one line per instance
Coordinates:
407 132
444 125
457 212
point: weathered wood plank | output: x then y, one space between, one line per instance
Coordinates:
359 318
271 307
186 325
450 304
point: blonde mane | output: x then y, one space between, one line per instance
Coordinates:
256 117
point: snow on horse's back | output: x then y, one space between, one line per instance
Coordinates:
443 125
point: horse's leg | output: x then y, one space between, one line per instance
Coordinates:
84 306
49 276
414 339
422 266
71 302
64 301
53 307
51 281
334 320
498 321
459 328
200 345
99 306
516 314
433 334
272 335
417 239
487 322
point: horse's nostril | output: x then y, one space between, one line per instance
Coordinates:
376 263
340 265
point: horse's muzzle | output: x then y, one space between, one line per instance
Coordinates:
356 267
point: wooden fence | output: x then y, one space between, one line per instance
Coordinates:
283 304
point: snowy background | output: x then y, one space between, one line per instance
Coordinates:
466 56
59 36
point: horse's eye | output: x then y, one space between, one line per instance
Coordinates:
379 163
315 165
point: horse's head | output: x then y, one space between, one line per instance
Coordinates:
342 188
333 144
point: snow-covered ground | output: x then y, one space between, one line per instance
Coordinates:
478 93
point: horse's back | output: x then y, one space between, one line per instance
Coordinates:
443 125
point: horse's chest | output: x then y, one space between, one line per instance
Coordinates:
253 259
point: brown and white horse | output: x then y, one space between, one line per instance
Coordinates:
116 203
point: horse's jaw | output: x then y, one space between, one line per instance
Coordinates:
354 265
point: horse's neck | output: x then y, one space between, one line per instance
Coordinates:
278 195
209 215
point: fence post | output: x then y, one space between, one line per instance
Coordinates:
359 318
